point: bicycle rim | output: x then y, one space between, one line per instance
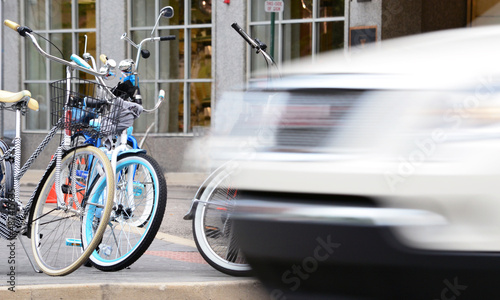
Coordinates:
212 227
57 232
137 213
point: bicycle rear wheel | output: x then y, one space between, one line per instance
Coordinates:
87 186
141 198
212 227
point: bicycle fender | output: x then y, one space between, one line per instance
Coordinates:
190 214
131 151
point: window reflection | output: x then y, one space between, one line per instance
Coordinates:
60 17
37 120
86 13
331 36
298 39
36 68
36 12
172 55
200 104
297 9
143 13
64 43
178 6
201 11
331 8
201 53
172 119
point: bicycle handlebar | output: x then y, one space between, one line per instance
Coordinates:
26 31
258 45
168 38
245 36
79 61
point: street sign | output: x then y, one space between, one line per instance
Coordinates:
274 6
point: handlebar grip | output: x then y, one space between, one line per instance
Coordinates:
12 25
103 58
79 61
245 36
168 38
161 95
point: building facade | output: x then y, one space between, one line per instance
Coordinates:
207 58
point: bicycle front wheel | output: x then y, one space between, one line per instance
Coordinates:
141 198
87 189
212 227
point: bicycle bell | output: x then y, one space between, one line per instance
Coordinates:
127 65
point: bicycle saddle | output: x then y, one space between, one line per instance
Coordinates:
10 97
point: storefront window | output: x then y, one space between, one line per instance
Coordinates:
304 28
61 22
182 68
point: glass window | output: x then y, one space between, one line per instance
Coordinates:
86 14
201 11
38 120
331 8
172 55
178 6
182 67
60 14
331 36
258 12
297 9
304 28
297 41
201 53
173 114
62 26
36 12
143 13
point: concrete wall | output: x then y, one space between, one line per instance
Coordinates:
401 18
366 14
396 18
443 14
11 67
230 50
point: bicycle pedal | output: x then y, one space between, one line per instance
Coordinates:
65 189
73 242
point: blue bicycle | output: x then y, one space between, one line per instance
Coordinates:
141 190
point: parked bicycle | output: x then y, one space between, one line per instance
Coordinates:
141 190
214 201
81 177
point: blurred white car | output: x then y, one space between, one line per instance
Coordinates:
375 175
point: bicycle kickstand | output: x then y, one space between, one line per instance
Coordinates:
29 258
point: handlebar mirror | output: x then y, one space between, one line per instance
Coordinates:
167 12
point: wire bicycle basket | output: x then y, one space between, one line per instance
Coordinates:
85 107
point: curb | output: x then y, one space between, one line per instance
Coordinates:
241 289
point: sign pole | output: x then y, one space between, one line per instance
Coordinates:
273 20
273 6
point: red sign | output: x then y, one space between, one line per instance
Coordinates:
274 6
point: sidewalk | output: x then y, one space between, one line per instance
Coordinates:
166 271
171 268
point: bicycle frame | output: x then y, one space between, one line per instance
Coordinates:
18 171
